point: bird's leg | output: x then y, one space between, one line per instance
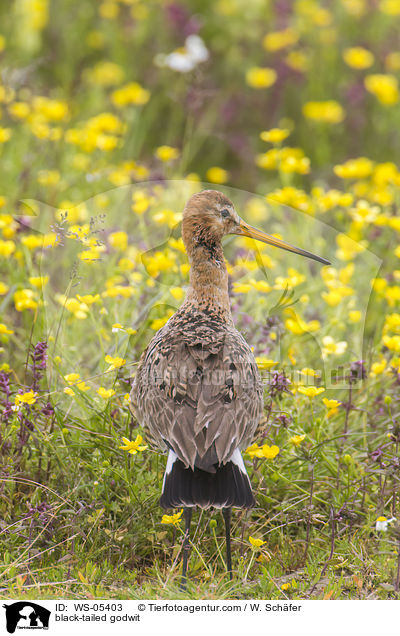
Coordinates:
187 512
226 512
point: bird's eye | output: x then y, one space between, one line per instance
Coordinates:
225 212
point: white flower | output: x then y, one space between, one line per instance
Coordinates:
185 60
196 49
382 523
180 62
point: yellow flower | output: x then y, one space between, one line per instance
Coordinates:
392 295
74 378
364 213
5 134
265 363
94 133
50 109
355 315
297 325
258 77
275 135
294 197
6 248
177 292
256 543
69 391
108 10
78 309
26 398
260 285
119 290
133 447
160 322
71 377
390 7
39 281
3 288
298 60
32 241
115 363
88 299
330 347
172 519
310 391
105 393
241 288
4 330
48 177
334 296
217 175
264 451
131 93
167 153
169 217
358 168
392 343
25 299
293 279
347 247
384 87
310 372
106 73
392 323
330 111
140 202
379 284
285 586
126 264
332 198
297 439
82 386
331 405
277 40
119 241
358 57
268 160
291 163
377 368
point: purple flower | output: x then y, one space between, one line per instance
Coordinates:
4 383
39 362
48 410
278 384
39 355
376 454
181 20
7 411
284 419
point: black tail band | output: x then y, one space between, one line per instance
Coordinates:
228 486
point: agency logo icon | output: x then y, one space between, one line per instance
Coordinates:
26 615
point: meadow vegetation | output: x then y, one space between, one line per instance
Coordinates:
111 114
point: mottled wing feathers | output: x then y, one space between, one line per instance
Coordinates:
198 390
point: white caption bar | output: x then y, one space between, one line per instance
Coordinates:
173 618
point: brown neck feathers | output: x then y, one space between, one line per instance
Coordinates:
208 289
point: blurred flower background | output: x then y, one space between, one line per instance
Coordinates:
111 114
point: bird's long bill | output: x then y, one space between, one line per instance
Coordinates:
258 235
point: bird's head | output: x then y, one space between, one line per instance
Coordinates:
209 215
